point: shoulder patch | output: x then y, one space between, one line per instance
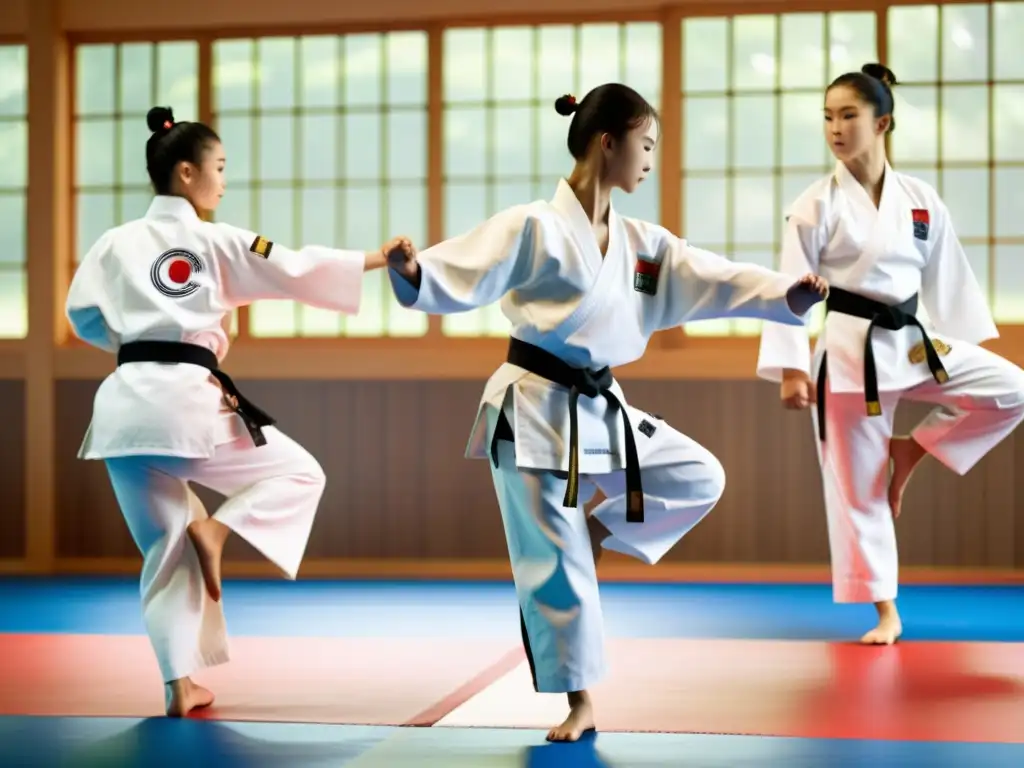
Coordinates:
921 221
261 246
645 274
173 273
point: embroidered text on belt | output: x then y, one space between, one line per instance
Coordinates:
579 381
176 352
891 318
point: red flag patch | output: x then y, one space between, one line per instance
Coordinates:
921 222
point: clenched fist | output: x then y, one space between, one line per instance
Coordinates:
397 248
798 391
806 292
400 255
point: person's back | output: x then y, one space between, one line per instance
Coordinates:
175 296
157 278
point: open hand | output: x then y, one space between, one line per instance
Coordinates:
806 292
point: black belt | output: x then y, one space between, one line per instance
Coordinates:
579 381
179 352
890 318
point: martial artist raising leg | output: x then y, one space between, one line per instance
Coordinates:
584 289
881 238
158 292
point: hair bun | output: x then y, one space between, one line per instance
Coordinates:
160 119
565 105
880 72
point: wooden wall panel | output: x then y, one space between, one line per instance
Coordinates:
12 469
13 19
399 487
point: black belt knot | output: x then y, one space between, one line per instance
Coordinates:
881 315
892 318
593 383
176 352
578 381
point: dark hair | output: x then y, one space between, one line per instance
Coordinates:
173 143
611 108
874 85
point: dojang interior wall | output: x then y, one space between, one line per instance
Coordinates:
389 419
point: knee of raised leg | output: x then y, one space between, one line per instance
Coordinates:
1018 386
714 478
312 471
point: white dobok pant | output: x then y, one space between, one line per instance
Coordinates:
981 404
272 491
551 554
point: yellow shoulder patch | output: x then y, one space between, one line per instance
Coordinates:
261 246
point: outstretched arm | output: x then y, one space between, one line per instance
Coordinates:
469 271
255 268
702 285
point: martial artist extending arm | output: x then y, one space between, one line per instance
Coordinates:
785 356
254 268
468 271
701 285
950 292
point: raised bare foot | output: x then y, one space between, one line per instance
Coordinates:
905 453
182 696
580 719
208 537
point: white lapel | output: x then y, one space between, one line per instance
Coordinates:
566 204
606 270
875 226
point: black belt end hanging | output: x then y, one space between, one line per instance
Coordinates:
635 507
572 489
572 483
176 353
255 430
872 401
892 318
592 384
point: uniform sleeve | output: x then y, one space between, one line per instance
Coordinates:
950 292
788 346
473 269
701 285
254 268
88 303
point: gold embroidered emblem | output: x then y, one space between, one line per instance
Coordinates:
262 247
917 355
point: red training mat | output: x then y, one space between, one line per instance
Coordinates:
364 681
972 692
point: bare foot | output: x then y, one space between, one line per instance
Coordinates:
905 453
889 626
208 537
182 696
580 719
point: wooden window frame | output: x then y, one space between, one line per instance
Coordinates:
672 354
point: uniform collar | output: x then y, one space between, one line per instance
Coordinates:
171 207
849 184
566 203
